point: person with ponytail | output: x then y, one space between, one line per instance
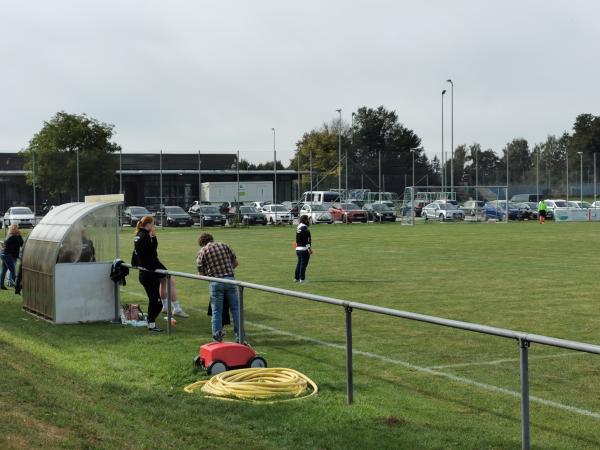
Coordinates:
146 256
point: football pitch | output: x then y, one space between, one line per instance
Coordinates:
415 385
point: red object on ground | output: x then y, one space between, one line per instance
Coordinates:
218 357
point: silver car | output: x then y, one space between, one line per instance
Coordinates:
442 212
20 215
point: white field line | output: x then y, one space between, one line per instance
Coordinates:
507 360
427 370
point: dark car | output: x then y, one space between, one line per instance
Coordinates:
174 216
380 212
407 207
132 214
207 215
248 215
497 210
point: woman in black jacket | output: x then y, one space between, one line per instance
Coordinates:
303 250
10 255
146 256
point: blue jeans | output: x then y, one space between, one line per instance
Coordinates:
218 292
8 263
303 257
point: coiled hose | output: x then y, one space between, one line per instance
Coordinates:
261 384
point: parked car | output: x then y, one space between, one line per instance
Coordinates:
528 210
316 213
442 212
552 204
259 205
572 204
174 216
348 212
525 198
497 210
407 207
20 215
277 214
132 214
248 215
584 204
208 215
380 212
473 207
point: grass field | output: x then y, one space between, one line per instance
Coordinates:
416 385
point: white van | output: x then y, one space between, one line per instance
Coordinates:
320 197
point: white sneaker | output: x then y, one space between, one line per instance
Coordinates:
180 313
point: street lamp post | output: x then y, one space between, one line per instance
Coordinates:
580 177
476 175
443 162
452 135
160 207
567 175
200 189
340 154
352 148
33 182
120 170
507 184
310 169
77 157
537 175
274 176
594 178
412 150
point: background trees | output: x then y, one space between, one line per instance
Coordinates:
55 147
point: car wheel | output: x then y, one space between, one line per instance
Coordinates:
424 216
271 221
441 217
345 218
310 221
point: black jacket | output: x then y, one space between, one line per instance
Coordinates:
145 252
12 245
302 237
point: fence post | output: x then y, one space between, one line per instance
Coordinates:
241 331
524 346
169 311
349 377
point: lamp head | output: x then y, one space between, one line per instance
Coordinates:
444 91
449 81
339 110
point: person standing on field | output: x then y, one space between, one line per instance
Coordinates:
542 211
303 249
217 260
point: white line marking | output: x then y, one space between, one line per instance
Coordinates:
508 360
430 371
489 387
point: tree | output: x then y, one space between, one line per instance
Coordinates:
55 147
519 160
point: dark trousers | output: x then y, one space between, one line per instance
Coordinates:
19 281
303 257
152 287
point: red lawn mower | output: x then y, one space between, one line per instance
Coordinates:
218 357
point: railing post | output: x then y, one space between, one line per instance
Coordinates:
524 346
169 311
241 331
349 375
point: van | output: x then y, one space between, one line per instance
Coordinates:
521 198
320 197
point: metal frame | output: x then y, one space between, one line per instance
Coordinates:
524 340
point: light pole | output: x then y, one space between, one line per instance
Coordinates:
160 207
443 162
412 150
567 175
274 175
537 175
379 181
200 188
352 148
237 171
77 157
452 135
298 198
580 177
340 154
120 170
507 184
310 169
476 175
33 182
594 178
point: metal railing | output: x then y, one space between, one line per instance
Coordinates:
523 339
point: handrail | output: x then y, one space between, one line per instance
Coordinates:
523 339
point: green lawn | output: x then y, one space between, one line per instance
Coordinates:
107 386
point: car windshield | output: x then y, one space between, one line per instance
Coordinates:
20 211
209 210
139 211
174 210
248 209
446 206
318 208
561 204
278 208
350 207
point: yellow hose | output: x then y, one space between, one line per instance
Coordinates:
259 384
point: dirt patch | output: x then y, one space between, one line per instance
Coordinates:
393 421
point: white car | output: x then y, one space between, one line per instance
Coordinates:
276 214
260 205
442 211
316 213
21 215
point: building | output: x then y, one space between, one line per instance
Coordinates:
142 175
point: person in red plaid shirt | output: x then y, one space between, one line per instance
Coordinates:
216 259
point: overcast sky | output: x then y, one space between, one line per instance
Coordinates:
216 76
